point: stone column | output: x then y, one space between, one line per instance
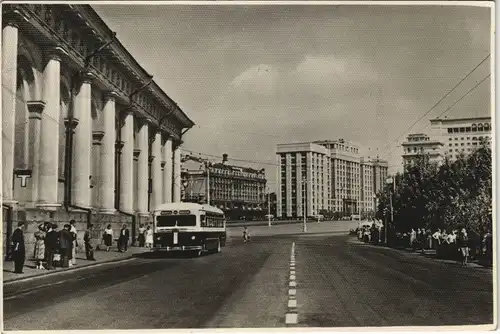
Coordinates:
35 109
9 86
49 148
80 189
95 183
142 169
107 161
137 153
177 175
156 174
126 164
167 171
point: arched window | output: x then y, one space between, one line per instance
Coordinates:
474 127
479 127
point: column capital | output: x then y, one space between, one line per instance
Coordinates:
86 77
13 16
71 123
97 137
110 95
137 152
118 146
35 109
56 53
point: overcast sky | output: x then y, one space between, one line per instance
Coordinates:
251 77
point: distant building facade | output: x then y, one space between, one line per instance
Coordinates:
420 144
449 138
238 191
338 180
461 135
303 179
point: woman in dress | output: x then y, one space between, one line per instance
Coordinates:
149 237
108 237
40 246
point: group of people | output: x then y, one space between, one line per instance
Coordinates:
451 243
55 247
52 247
145 237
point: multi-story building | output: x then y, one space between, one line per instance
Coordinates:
238 191
84 126
346 181
461 135
303 179
373 179
338 180
419 144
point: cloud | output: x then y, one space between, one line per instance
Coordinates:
257 80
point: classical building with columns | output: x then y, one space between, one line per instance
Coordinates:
86 132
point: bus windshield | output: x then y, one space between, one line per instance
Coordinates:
179 220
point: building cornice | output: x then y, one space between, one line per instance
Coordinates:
79 30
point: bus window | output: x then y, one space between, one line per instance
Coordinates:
169 221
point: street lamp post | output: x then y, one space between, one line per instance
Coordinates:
390 181
207 168
268 208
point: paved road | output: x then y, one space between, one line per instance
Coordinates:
340 282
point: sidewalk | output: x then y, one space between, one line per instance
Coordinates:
101 256
430 254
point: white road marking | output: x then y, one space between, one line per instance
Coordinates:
292 292
293 284
292 272
292 277
292 303
291 318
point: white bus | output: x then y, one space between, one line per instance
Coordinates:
190 227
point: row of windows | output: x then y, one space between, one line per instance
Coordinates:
473 128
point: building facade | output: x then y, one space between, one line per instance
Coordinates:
86 133
346 172
303 179
419 145
461 135
238 191
338 180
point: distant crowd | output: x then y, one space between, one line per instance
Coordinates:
456 244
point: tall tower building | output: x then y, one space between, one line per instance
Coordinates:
303 179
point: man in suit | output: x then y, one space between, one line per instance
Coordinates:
123 239
51 245
19 252
66 245
89 249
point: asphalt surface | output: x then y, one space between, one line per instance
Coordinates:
340 282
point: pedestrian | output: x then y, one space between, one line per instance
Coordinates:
413 239
462 242
108 237
40 246
19 252
87 240
123 239
75 241
142 237
51 245
66 245
149 237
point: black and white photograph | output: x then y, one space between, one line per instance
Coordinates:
235 165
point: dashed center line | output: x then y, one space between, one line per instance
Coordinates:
291 317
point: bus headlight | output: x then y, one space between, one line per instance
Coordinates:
193 237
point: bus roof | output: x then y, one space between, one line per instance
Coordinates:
187 206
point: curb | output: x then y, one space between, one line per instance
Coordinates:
63 270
